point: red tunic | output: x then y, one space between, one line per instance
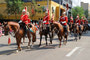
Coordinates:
25 19
78 21
86 22
64 20
82 21
71 21
46 19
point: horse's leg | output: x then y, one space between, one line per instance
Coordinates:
50 38
75 34
79 36
66 38
34 39
46 39
60 39
23 39
64 41
29 37
40 39
18 40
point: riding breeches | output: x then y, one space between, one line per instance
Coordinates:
79 27
65 28
46 26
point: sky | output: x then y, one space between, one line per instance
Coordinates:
77 2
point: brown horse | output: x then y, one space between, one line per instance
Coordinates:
85 28
77 30
71 27
44 31
19 32
59 30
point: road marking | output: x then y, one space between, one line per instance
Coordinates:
70 53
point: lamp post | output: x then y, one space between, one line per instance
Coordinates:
59 9
47 3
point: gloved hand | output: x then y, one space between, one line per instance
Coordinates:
20 21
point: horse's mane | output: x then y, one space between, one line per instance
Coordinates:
58 25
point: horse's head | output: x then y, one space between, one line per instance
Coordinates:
6 28
54 27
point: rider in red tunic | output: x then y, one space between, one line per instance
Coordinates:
85 21
64 21
46 20
82 21
71 20
24 17
78 22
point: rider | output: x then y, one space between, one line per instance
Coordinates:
25 18
78 21
85 20
71 20
82 21
46 19
64 21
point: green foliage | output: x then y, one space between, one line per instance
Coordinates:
1 16
77 10
86 13
14 6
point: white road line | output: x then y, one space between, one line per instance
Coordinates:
70 53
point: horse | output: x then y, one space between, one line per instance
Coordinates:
85 28
43 30
19 31
77 31
59 30
71 27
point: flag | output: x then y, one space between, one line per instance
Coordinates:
9 41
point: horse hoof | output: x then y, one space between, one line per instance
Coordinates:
22 43
59 46
31 46
39 45
49 43
16 51
28 47
20 49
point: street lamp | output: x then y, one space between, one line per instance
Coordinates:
47 3
59 9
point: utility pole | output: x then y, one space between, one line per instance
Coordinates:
48 4
68 9
59 8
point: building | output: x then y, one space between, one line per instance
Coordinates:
86 6
64 3
39 12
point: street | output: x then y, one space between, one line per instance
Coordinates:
73 50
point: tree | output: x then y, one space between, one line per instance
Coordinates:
14 7
86 13
77 10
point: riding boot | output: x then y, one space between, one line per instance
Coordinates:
25 31
80 28
65 29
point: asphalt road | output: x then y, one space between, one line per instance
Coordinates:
79 50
